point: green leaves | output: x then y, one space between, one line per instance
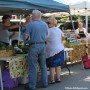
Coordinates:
5 47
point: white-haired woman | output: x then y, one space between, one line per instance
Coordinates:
55 50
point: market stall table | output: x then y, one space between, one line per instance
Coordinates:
65 55
17 66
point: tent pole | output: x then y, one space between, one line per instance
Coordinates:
76 38
72 21
86 22
19 35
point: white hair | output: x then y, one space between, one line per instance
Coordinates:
36 13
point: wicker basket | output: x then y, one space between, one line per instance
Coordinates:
6 53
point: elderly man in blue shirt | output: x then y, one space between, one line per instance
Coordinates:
37 31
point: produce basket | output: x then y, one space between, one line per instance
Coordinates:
6 53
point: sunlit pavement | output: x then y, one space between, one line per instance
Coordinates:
78 80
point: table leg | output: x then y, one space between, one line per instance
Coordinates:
65 55
1 78
67 67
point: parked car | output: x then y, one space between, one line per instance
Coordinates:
68 25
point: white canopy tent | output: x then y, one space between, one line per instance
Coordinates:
81 8
81 5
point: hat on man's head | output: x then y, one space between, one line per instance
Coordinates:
6 16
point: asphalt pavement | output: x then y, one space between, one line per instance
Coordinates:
79 79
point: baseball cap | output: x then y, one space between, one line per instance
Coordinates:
6 16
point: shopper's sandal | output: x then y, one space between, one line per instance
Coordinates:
58 80
52 82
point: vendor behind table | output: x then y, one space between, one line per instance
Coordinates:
81 31
4 29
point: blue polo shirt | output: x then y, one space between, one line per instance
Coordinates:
37 30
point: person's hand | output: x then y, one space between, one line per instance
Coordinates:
78 36
22 24
13 26
17 25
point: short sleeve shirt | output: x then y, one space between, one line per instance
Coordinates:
37 30
54 41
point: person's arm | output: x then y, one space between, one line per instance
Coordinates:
77 33
27 32
63 36
26 36
4 27
85 32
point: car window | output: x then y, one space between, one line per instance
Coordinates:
68 25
